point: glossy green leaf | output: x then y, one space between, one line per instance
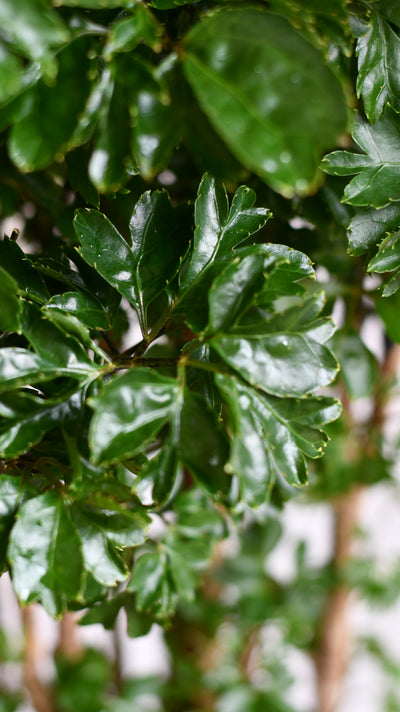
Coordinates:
157 117
129 412
378 168
162 472
271 436
218 228
106 250
233 290
370 226
52 344
388 9
110 157
100 556
285 356
25 418
40 548
10 305
32 26
139 26
20 267
357 363
203 446
84 307
19 367
45 131
151 583
160 236
236 58
387 258
378 82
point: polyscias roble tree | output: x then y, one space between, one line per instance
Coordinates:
169 365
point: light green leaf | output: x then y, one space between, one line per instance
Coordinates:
248 68
129 413
41 542
378 168
378 78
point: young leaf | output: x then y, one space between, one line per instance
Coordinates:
378 168
126 33
39 551
236 58
129 413
378 81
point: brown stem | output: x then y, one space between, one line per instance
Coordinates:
334 646
38 692
69 646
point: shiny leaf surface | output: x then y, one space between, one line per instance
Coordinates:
248 68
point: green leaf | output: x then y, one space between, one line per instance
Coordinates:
41 542
94 4
378 168
20 267
378 82
284 356
388 9
141 272
358 365
370 226
20 367
388 310
150 581
127 32
84 307
110 157
106 250
157 116
271 436
45 130
203 446
25 418
248 68
233 290
100 556
387 258
12 491
32 26
129 413
10 305
11 74
218 228
52 344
